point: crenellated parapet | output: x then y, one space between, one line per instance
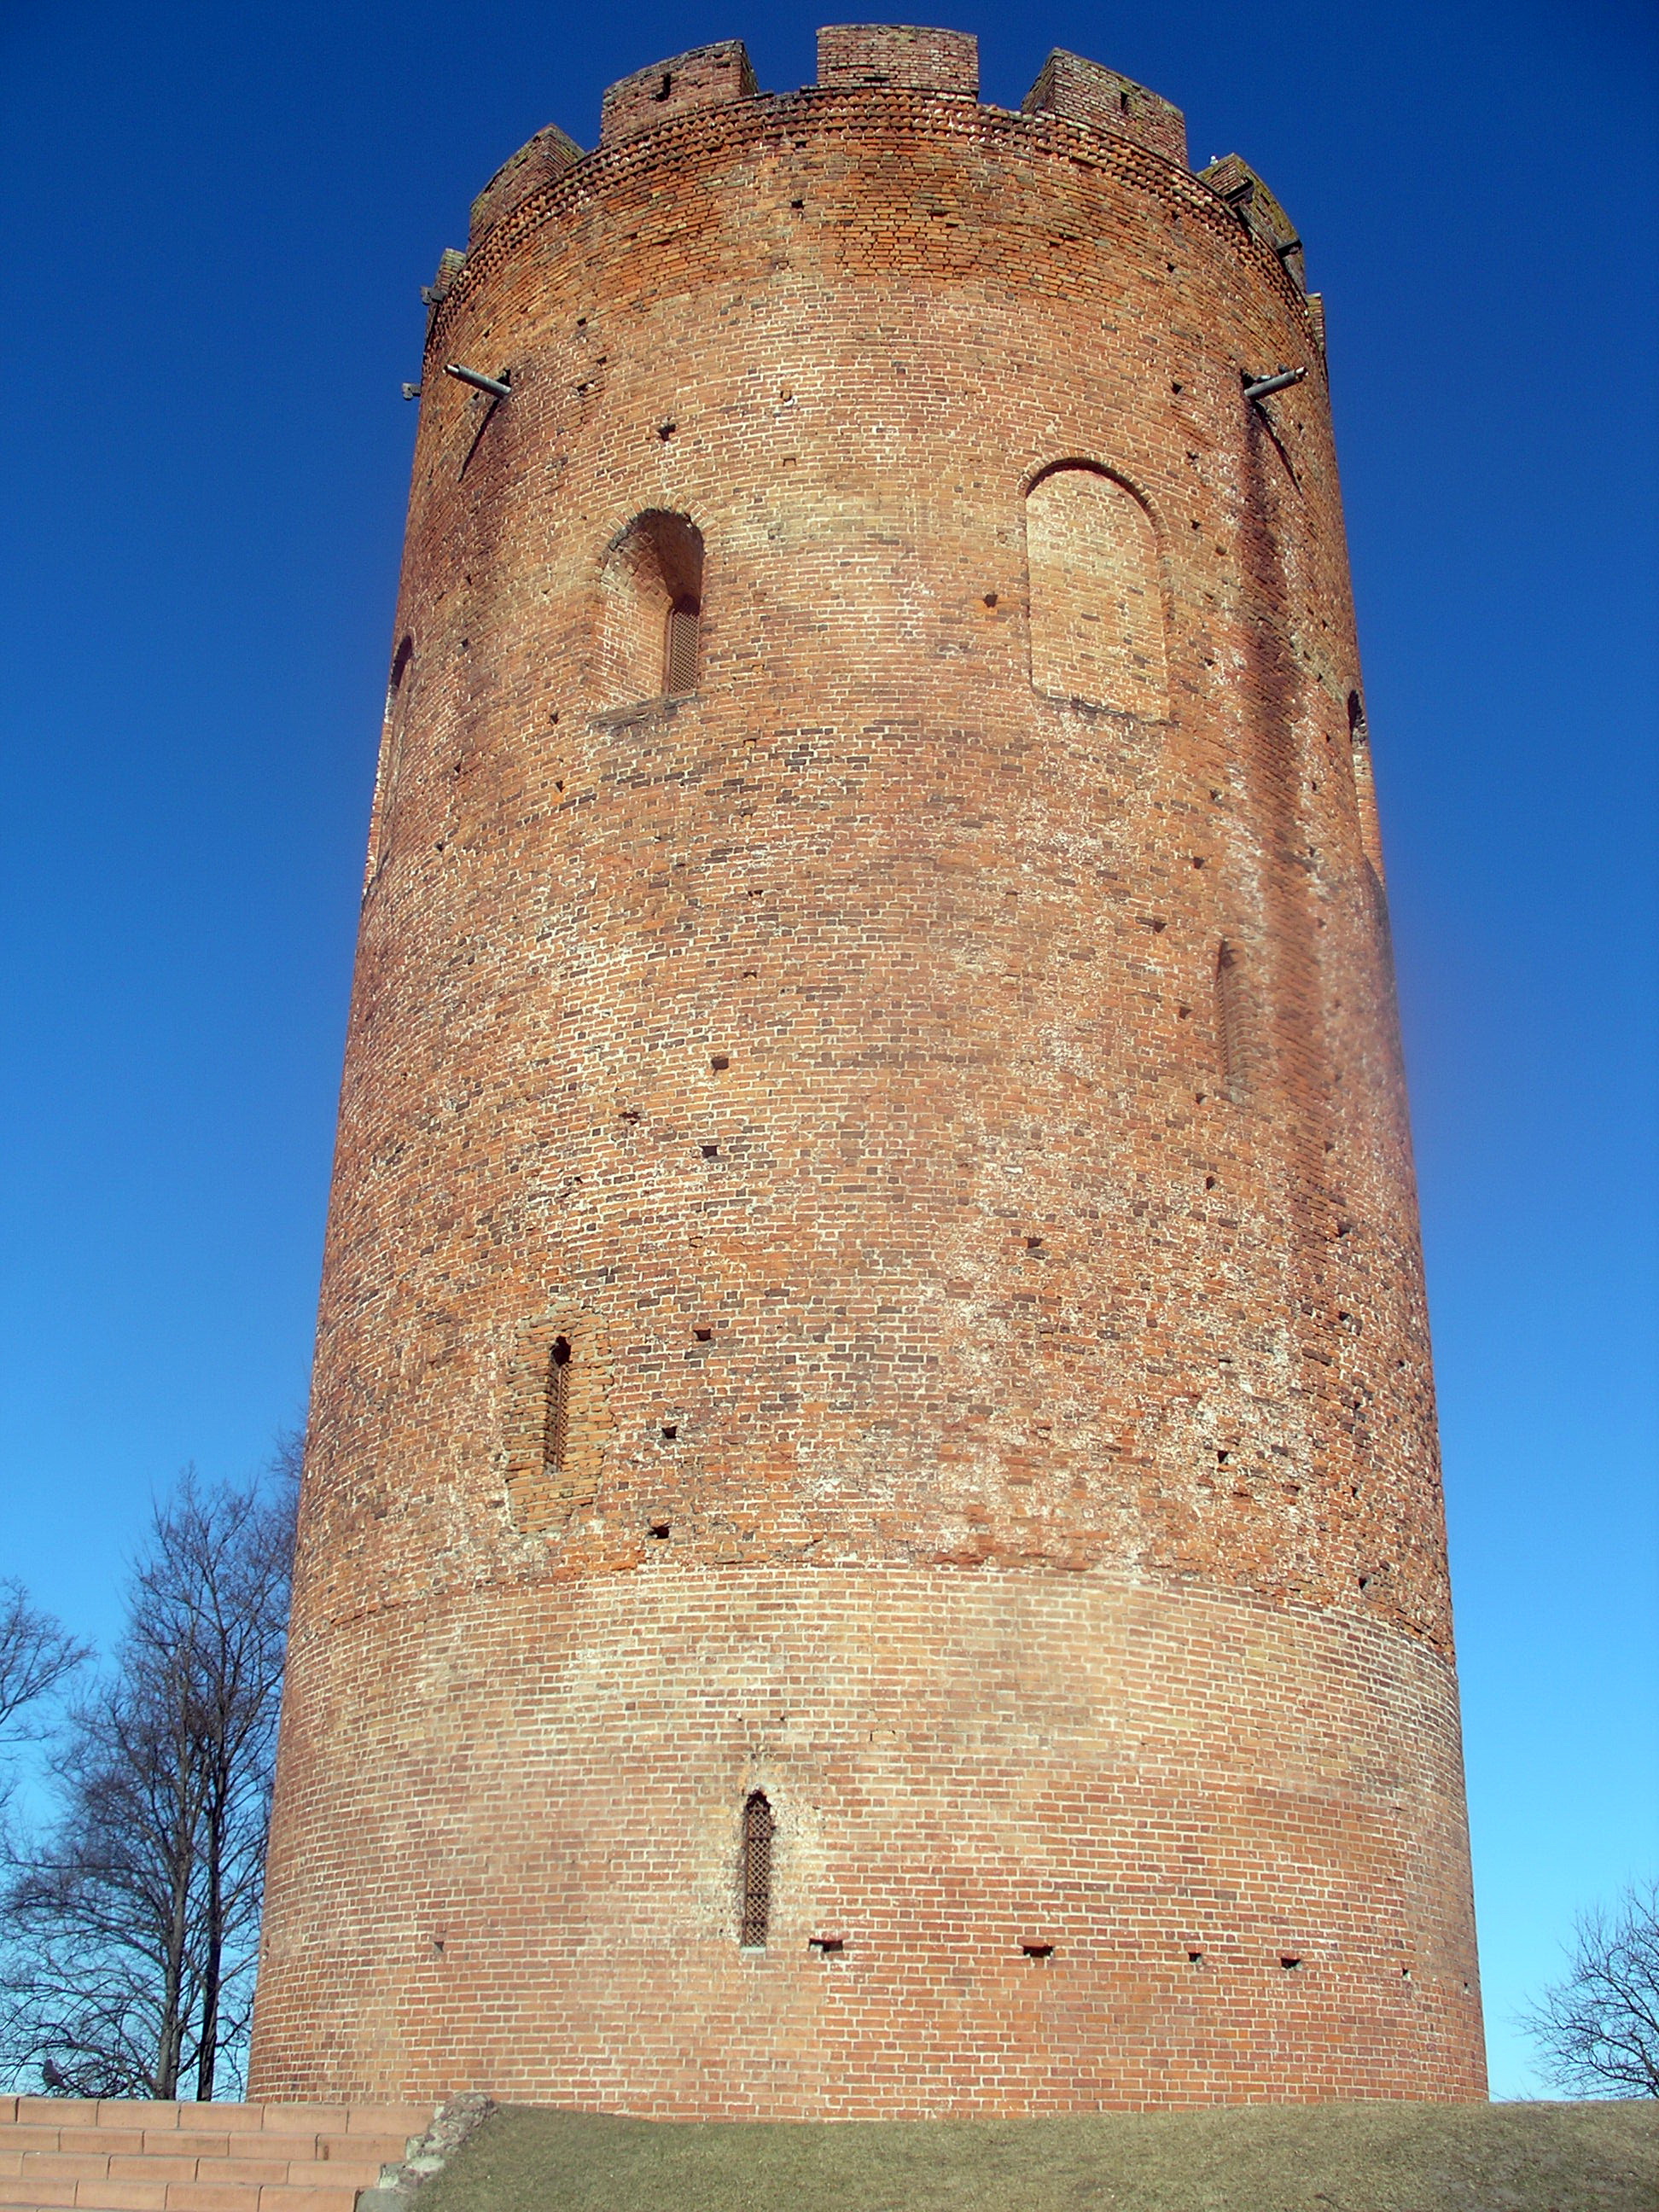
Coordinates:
900 61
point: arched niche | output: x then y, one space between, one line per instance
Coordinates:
652 588
1096 597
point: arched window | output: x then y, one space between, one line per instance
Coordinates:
555 1434
754 1873
391 731
1364 785
653 609
1097 601
1232 1022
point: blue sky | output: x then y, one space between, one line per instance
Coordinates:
218 218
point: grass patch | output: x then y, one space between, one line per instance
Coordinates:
1600 2157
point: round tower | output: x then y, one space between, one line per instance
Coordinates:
872 1541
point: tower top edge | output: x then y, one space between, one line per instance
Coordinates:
925 77
900 58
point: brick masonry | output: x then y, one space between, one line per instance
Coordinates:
998 1421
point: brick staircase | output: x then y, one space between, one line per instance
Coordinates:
116 2156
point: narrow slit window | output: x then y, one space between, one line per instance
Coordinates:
1232 1038
556 1434
1364 784
754 1873
684 621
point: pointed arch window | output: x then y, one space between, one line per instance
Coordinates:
755 1872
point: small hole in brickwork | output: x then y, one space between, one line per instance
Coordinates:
629 1114
702 1335
798 204
1221 1459
711 1151
660 1530
1365 1582
669 1430
990 598
1405 1973
1034 1244
1175 387
1183 1013
1287 1962
1195 1957
1198 860
826 1946
755 1872
665 430
665 88
1038 1950
719 1063
1209 1182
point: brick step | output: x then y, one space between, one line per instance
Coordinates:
180 2198
31 2143
121 2155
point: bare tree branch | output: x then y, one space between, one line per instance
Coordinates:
36 1659
1599 2029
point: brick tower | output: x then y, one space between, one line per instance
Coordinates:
872 1543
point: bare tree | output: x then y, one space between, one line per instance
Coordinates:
211 1599
134 1929
1599 2029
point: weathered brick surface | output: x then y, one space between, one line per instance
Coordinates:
547 155
707 76
996 1427
1084 92
905 55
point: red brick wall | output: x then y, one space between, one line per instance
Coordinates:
991 1436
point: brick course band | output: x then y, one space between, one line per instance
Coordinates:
873 1255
